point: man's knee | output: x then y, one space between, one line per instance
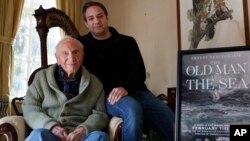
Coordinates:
40 135
40 131
100 136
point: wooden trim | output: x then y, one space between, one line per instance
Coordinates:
178 24
118 131
8 130
246 21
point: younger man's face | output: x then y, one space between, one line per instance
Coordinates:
96 21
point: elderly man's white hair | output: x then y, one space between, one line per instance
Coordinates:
66 38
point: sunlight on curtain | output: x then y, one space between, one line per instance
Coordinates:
27 53
10 15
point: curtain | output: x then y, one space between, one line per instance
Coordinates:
73 8
10 14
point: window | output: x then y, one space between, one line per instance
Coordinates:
27 55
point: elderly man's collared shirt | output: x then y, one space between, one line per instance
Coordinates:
69 87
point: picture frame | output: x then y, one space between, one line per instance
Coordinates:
210 29
213 92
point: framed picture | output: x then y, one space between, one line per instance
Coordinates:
212 23
213 92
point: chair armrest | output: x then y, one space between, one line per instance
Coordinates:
8 131
14 103
13 127
115 125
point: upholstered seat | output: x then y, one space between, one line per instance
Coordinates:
15 129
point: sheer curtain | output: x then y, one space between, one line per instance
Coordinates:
10 14
73 8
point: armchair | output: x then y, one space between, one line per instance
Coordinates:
14 127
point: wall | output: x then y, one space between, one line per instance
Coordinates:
153 23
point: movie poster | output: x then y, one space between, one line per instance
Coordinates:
214 94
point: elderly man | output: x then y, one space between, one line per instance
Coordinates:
65 102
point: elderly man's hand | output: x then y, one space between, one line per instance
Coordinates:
116 94
76 135
60 132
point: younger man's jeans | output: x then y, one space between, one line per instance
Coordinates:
143 107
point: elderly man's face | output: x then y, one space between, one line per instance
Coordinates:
69 55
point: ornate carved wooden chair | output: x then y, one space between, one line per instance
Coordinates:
14 127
